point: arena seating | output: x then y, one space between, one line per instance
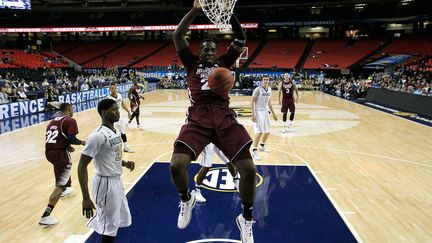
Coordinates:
125 54
19 58
410 45
87 51
339 54
279 53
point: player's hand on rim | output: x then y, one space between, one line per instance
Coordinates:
88 207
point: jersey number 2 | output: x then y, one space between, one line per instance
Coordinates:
205 85
51 136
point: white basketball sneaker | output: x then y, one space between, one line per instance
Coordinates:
141 127
185 214
245 227
255 155
127 149
67 192
48 221
199 197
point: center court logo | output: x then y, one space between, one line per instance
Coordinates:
219 179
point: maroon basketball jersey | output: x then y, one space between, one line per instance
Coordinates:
57 132
134 97
197 76
287 90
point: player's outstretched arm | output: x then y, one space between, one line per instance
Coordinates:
239 34
179 35
87 203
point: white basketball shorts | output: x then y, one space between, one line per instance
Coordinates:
262 124
112 209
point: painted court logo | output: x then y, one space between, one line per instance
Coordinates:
219 179
243 111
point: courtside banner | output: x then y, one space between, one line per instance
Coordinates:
92 94
28 107
21 108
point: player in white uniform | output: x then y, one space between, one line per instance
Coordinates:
120 125
104 147
206 164
260 116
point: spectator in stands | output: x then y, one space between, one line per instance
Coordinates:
64 89
4 97
75 87
85 86
34 87
13 97
51 96
21 93
8 87
45 83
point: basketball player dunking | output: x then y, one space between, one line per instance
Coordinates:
210 120
286 97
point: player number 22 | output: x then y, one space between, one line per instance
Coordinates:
51 136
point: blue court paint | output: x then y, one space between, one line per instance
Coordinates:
290 206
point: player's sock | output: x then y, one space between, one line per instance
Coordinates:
247 210
284 125
197 186
48 210
185 195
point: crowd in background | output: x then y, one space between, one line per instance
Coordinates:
414 77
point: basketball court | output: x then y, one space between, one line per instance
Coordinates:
347 173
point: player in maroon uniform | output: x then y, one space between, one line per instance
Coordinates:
60 134
210 120
134 98
286 96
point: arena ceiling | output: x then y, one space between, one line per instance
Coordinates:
150 12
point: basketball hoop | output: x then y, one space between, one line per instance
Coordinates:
219 12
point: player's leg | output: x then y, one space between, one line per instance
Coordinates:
292 114
121 127
265 132
137 120
190 142
258 131
180 161
284 122
235 142
247 172
62 171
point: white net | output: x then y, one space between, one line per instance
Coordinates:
219 12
